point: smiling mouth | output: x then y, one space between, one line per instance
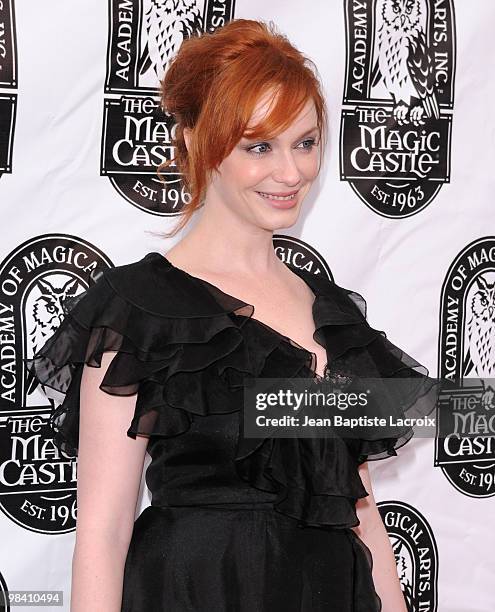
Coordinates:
281 197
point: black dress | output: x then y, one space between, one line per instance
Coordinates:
236 524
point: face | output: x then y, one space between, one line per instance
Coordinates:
264 182
402 14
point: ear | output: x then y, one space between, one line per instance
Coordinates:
187 136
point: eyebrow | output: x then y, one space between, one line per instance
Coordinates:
298 138
308 132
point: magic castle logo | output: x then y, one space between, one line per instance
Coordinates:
4 599
298 253
37 482
396 121
416 554
8 84
466 451
143 37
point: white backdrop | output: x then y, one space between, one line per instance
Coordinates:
63 108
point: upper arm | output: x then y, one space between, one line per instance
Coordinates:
366 508
110 464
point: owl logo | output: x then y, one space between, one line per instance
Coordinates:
48 310
480 355
403 561
166 24
403 61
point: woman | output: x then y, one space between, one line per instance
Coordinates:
235 523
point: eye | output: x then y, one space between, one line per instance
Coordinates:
254 151
396 8
264 147
309 142
50 308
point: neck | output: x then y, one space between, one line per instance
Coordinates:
226 243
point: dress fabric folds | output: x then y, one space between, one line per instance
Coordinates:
235 524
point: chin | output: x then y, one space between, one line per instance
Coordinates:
280 219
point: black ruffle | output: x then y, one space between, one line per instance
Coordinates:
186 347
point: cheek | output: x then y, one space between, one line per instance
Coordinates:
255 172
309 166
239 173
250 173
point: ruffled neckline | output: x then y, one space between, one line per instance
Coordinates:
327 308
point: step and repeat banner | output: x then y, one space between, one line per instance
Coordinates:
402 213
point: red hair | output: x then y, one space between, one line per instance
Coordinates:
212 87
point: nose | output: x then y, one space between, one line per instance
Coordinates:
286 169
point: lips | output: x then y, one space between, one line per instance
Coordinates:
282 194
285 202
285 196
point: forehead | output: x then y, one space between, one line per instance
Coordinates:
267 104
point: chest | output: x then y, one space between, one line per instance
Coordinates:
292 317
282 303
